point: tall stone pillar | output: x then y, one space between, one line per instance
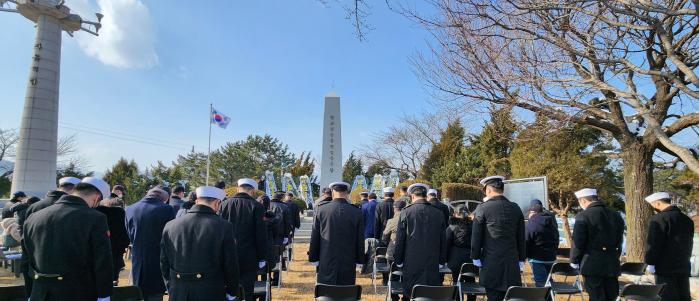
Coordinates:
35 164
331 162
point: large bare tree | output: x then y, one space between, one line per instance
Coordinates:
405 145
625 67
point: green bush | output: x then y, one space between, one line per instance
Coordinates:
461 191
300 203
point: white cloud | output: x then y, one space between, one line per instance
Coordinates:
127 38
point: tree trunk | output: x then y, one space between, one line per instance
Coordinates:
638 183
566 229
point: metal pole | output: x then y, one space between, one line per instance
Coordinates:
208 157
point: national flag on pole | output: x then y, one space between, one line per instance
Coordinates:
219 119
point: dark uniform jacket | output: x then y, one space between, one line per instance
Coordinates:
69 240
542 237
384 212
118 237
6 211
200 243
597 237
458 244
295 214
337 242
250 231
441 206
145 221
49 200
669 243
498 241
279 207
420 244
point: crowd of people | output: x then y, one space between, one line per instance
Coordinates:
207 246
424 236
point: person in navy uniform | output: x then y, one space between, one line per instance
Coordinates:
384 212
337 238
198 256
68 246
497 241
421 247
145 221
245 213
597 237
669 247
432 197
364 199
369 216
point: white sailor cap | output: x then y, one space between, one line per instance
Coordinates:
68 180
345 184
492 180
389 190
416 185
585 192
247 181
658 196
98 183
210 192
432 191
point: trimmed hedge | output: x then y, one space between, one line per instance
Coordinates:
461 191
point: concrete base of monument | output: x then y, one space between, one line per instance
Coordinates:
303 234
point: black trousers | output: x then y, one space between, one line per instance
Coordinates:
247 281
601 288
676 287
494 295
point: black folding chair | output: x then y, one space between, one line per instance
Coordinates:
564 288
518 293
563 252
636 269
12 293
395 284
641 292
263 288
326 292
380 266
469 288
126 293
277 252
433 293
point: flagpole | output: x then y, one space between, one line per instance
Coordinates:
208 156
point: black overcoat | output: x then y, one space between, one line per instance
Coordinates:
70 240
384 212
337 242
597 237
420 244
669 243
498 241
200 243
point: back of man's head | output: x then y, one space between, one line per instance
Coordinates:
420 192
66 187
179 189
372 196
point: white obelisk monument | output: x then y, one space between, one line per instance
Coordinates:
331 162
35 164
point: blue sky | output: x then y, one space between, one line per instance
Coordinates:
266 64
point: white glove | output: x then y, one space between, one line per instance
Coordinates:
103 299
477 262
441 266
229 297
359 266
521 266
399 265
575 266
650 269
286 240
261 264
314 263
